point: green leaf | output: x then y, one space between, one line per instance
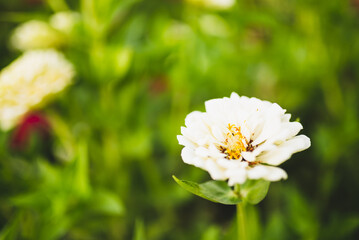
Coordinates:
254 191
215 191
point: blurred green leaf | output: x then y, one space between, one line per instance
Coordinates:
9 232
104 202
302 214
212 233
275 228
80 178
57 5
139 233
215 191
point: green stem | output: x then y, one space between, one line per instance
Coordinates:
241 222
241 217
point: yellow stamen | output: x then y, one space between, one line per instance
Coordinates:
235 142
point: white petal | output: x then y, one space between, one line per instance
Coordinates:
229 164
291 129
185 141
214 153
220 112
266 172
286 117
202 152
188 155
266 146
272 124
285 150
217 133
286 131
234 96
206 153
193 117
249 156
240 178
214 170
214 105
196 130
237 175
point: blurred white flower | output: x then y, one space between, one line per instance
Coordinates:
220 4
64 21
35 34
240 138
29 81
214 4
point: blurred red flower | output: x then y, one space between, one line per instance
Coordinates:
31 124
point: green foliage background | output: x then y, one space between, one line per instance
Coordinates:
142 66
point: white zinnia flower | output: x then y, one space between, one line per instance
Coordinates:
30 79
240 138
35 34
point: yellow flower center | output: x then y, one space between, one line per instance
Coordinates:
235 143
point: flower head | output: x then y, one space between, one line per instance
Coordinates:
29 80
240 138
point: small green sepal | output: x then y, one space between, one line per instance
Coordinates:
254 191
